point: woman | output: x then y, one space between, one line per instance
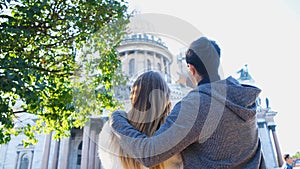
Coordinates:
150 105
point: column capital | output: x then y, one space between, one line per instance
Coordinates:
272 127
261 124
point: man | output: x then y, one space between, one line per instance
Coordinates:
214 126
288 162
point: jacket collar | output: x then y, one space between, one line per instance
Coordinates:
204 81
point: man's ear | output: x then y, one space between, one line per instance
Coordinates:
192 69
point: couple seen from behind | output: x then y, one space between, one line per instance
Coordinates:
213 126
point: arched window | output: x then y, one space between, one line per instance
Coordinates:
79 150
131 67
24 164
148 64
159 67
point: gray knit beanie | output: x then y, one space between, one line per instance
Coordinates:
209 56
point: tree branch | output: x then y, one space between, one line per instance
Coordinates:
21 111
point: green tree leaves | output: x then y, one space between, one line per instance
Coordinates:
59 59
297 155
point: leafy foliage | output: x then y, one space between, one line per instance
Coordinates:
43 65
297 155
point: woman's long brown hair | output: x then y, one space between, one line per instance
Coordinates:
150 105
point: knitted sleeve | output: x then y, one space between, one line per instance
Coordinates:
179 131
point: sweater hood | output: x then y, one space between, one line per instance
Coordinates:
239 98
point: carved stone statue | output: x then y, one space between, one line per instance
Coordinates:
244 74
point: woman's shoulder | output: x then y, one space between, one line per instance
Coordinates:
108 148
106 132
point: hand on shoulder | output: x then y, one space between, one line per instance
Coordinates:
117 116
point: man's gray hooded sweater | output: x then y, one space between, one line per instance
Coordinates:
214 126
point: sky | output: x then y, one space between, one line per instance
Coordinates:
265 35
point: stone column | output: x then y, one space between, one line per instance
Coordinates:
45 159
17 160
162 67
276 142
169 72
64 158
266 143
92 149
98 127
136 63
97 160
162 64
31 160
145 61
56 155
4 149
85 147
154 63
125 62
